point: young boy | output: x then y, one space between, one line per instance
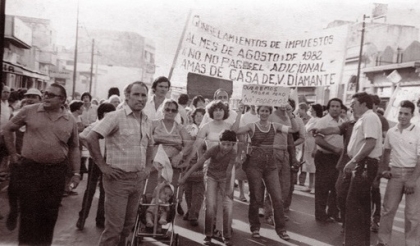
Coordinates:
222 158
165 194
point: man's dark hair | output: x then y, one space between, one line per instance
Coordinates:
196 99
104 108
218 104
86 94
363 97
408 104
318 110
183 99
75 106
292 103
113 91
332 100
375 99
197 110
228 135
160 80
62 90
127 89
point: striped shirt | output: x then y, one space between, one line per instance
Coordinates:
126 139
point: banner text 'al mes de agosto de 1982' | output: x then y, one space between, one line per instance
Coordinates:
306 60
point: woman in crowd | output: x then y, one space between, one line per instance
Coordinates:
174 139
310 146
261 167
198 102
94 176
218 111
194 185
114 100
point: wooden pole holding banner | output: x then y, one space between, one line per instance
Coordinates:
179 45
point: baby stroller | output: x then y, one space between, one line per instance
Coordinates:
162 233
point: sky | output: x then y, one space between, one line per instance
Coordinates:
162 21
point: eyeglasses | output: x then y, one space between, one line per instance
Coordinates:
50 95
171 110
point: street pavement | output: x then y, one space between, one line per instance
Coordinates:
302 227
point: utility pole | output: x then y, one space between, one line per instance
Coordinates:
360 53
96 72
2 21
75 54
91 66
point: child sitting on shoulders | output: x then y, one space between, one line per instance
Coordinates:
166 192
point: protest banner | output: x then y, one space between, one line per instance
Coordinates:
296 61
265 95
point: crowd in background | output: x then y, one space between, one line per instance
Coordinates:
338 153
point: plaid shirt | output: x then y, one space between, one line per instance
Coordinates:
126 139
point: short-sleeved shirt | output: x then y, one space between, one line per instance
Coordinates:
85 133
46 140
171 139
89 115
219 162
367 126
126 139
333 139
404 146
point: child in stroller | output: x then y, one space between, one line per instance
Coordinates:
166 192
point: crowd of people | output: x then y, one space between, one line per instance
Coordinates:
49 142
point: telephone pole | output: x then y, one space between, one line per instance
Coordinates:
361 53
75 54
91 66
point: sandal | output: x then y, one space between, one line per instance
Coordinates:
255 234
283 235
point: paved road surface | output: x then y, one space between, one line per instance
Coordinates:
302 227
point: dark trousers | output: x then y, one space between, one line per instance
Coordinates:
376 204
94 175
358 203
13 190
40 194
325 178
194 196
343 185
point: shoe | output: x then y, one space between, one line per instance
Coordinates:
179 209
243 199
261 212
283 235
80 223
227 242
193 222
207 240
255 234
11 221
374 227
326 220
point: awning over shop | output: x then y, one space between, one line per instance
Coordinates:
391 67
17 69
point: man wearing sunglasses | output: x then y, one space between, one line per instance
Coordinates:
50 146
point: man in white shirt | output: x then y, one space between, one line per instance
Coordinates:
402 143
364 150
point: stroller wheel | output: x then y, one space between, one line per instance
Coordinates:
175 240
